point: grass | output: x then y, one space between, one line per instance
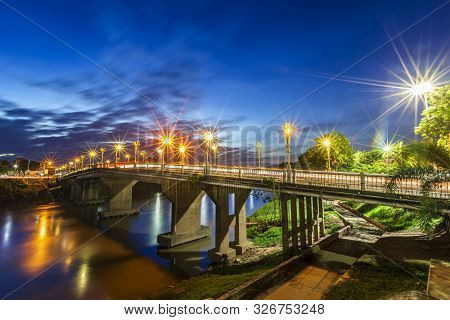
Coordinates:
371 282
266 231
395 219
220 280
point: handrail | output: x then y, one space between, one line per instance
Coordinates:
341 180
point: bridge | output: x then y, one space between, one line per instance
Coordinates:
301 193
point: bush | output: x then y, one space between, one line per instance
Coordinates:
269 238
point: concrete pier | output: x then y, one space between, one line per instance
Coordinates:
225 217
185 198
120 197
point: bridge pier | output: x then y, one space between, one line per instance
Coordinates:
225 218
74 191
186 198
120 197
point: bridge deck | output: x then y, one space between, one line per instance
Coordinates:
333 185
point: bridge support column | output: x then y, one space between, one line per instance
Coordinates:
120 197
75 190
89 192
225 216
186 198
302 221
241 243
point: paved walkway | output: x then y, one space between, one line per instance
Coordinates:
322 269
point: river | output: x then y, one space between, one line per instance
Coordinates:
48 252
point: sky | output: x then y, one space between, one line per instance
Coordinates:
81 74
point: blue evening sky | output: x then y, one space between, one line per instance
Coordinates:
239 63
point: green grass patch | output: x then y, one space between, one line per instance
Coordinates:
372 282
269 211
395 219
266 230
269 238
219 281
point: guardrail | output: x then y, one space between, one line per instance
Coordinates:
340 180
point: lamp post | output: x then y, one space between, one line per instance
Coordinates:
127 156
208 137
166 141
288 129
143 154
82 161
102 152
182 152
92 155
118 148
77 162
161 157
136 145
258 152
327 145
214 150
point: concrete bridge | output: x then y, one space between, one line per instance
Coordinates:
301 193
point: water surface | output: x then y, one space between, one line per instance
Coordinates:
48 252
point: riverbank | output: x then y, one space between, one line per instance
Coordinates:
264 230
23 192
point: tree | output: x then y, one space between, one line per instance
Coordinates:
435 124
430 208
426 154
341 153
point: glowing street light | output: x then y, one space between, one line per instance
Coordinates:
289 130
166 142
136 145
92 155
118 149
108 162
208 137
160 152
77 161
421 88
82 160
327 144
182 152
258 152
143 154
102 152
127 156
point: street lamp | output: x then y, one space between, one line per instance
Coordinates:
208 137
102 151
136 145
77 161
258 152
143 154
289 130
118 148
166 142
82 161
92 155
182 152
214 150
127 156
327 144
161 157
107 163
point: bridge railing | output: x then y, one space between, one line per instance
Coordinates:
341 180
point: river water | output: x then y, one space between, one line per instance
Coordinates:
48 252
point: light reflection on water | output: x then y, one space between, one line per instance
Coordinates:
124 263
